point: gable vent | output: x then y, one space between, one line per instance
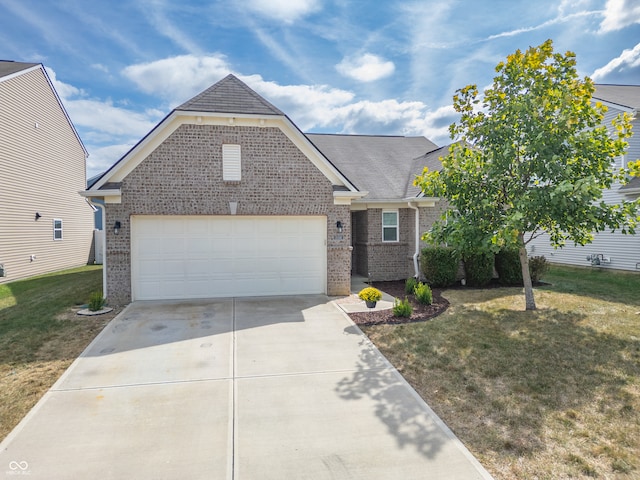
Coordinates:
231 165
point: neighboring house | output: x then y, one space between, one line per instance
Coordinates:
44 224
609 250
227 197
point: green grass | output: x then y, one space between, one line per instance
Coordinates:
553 393
39 338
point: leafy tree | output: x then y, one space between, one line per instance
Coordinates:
532 156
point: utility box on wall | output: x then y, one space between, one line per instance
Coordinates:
2 273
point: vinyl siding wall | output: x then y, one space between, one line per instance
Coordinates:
623 250
42 167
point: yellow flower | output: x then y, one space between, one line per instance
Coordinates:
370 294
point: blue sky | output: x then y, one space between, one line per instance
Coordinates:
340 66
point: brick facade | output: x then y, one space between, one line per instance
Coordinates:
384 261
183 176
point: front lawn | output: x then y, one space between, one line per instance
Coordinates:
548 394
40 335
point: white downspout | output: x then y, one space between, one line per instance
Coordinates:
104 246
416 254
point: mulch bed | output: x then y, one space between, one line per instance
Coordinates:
420 313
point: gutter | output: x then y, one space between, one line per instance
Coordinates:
416 254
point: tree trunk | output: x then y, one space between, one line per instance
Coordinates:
530 302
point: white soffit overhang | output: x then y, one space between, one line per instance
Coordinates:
177 118
364 203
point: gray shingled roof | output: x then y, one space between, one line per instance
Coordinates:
8 67
633 184
431 160
625 95
382 165
230 95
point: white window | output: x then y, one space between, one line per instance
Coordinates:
231 171
57 229
390 226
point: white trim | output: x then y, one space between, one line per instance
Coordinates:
396 226
617 106
364 203
20 72
177 118
347 198
61 229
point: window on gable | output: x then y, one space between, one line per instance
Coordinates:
231 165
57 229
390 226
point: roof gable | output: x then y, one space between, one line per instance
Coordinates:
230 95
229 102
9 68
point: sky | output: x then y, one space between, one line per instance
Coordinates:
383 67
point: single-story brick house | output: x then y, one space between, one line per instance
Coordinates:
227 197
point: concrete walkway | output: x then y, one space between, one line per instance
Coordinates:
255 388
354 304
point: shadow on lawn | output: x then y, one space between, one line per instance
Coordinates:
505 373
500 378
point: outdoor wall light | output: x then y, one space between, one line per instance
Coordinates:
339 226
38 216
116 227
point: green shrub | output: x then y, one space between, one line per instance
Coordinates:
538 266
439 265
478 268
423 293
402 308
508 267
96 301
410 285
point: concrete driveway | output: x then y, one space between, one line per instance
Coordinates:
252 388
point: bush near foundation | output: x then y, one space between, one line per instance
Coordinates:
439 265
508 267
478 268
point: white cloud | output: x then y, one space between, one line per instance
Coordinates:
629 58
64 90
108 131
365 68
321 108
286 11
101 158
100 67
619 14
563 18
102 116
176 79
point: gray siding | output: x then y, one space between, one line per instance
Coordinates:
43 169
623 250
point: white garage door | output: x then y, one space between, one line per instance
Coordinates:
174 257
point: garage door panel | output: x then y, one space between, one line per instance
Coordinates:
200 257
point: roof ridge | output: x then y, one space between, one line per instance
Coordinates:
230 95
12 67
